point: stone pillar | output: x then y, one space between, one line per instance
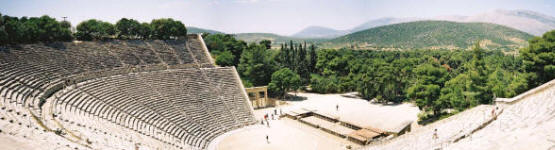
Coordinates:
257 99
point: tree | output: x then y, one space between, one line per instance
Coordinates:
48 29
94 30
324 84
302 64
167 28
225 59
266 43
219 43
426 90
257 64
478 76
128 28
539 58
470 88
457 93
15 30
3 33
65 24
145 31
284 80
313 59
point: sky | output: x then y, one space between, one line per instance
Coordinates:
284 17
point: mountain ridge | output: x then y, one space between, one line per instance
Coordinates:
319 32
433 35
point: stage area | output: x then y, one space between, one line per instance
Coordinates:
292 134
344 107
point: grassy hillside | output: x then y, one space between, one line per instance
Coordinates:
276 39
433 35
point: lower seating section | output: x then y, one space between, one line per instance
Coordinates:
527 122
448 130
184 107
19 130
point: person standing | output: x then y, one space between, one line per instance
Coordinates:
434 138
435 135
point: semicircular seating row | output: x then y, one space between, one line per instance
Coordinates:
169 91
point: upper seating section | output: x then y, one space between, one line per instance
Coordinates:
39 67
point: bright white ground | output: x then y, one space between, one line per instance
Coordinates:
293 135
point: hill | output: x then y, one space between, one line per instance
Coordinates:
382 22
525 20
193 30
433 35
528 21
319 32
276 39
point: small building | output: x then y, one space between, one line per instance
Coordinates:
258 97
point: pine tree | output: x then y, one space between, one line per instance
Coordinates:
313 59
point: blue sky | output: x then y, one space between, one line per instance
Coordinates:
273 16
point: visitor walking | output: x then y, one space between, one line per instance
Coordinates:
267 139
435 135
434 138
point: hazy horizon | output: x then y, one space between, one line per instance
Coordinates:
284 17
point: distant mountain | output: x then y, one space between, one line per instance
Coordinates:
382 22
433 35
524 20
276 39
201 30
319 32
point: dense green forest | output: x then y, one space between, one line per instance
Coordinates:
434 35
258 63
435 80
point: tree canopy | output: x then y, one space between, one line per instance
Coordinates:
539 58
95 30
128 28
167 28
284 80
15 30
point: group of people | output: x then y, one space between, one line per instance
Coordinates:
272 116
